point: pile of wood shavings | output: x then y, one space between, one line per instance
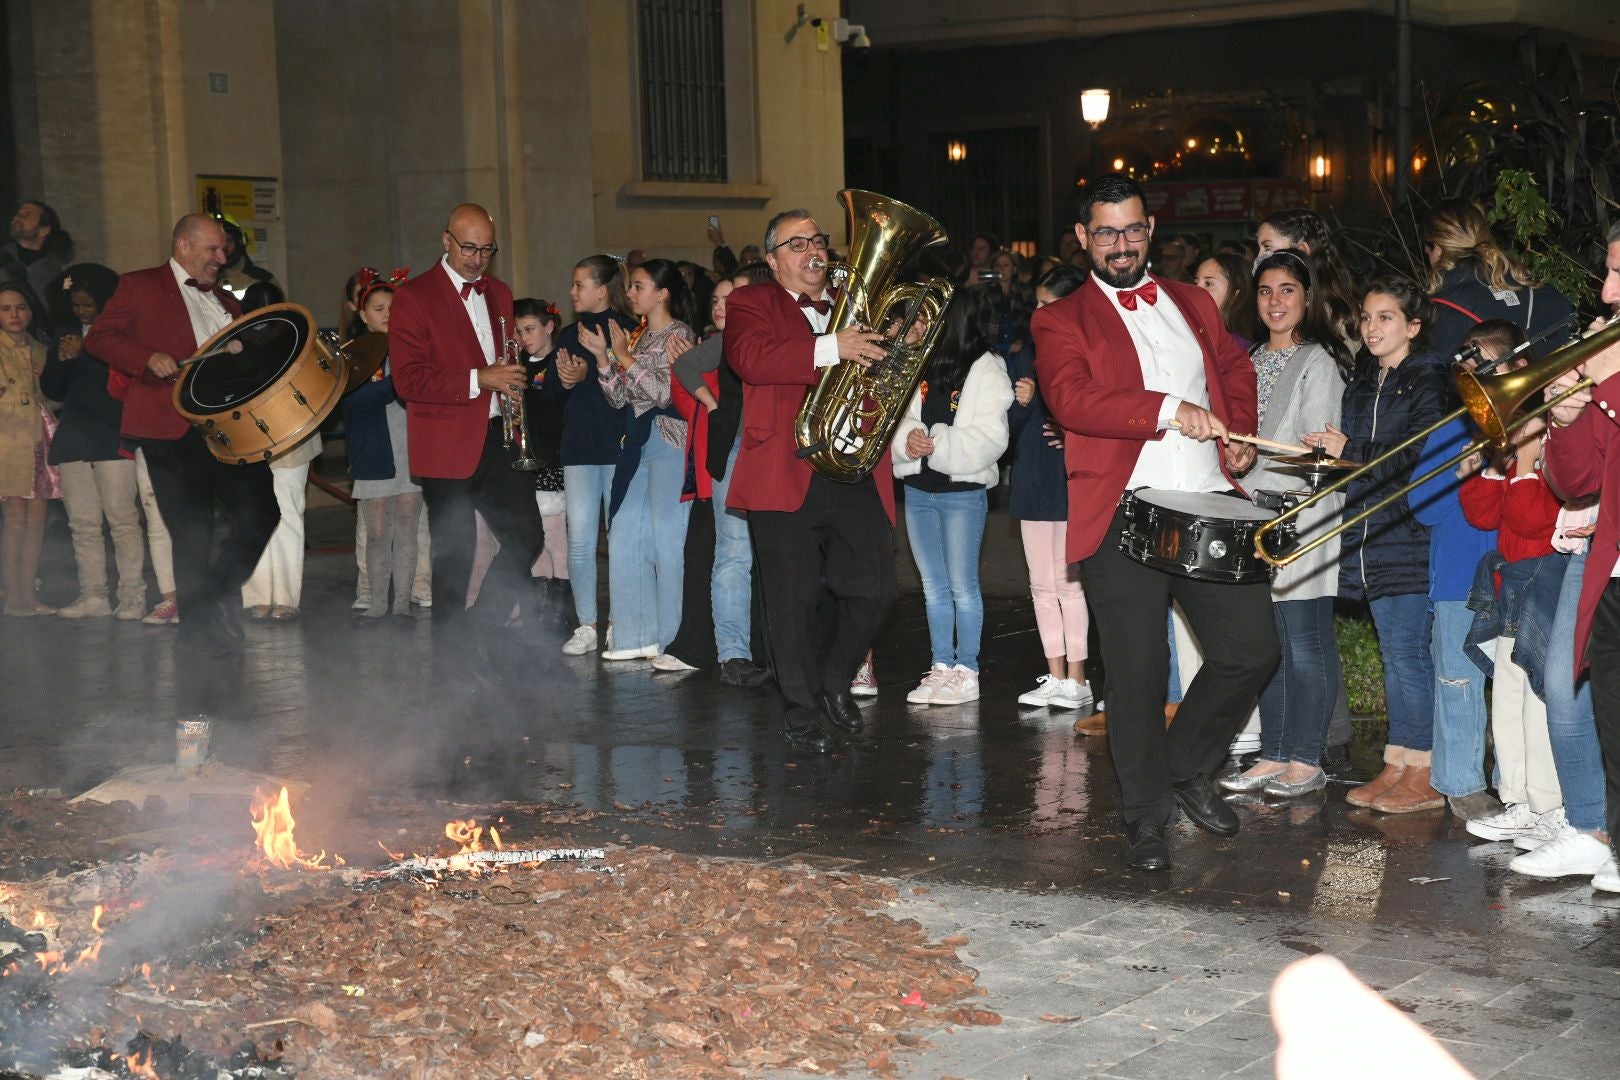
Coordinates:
669 967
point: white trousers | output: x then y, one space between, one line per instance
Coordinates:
157 534
278 580
97 490
1524 758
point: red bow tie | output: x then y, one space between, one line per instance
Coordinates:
199 286
822 306
470 287
1148 292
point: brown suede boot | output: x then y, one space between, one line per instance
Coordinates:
1091 724
1413 792
1394 769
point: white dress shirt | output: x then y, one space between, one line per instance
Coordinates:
1172 364
826 354
207 312
478 312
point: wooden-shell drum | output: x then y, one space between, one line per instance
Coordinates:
260 386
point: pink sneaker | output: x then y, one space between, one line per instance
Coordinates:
167 613
865 683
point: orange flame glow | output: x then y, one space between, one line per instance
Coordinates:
140 1064
95 920
39 920
273 825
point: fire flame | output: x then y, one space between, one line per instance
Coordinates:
39 920
273 825
140 1064
95 920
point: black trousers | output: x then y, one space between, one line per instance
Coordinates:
1603 654
505 498
839 542
1235 629
190 484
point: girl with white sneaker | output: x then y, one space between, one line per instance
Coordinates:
945 452
1039 501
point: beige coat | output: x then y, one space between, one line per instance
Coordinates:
21 425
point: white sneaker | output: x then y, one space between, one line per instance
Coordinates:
131 609
646 652
1548 827
423 602
1516 820
87 607
931 682
1072 694
957 688
1245 743
583 641
361 603
1046 689
669 662
1608 878
1571 853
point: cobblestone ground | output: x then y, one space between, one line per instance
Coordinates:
996 822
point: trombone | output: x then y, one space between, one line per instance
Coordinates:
1492 401
514 416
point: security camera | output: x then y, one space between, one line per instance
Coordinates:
848 33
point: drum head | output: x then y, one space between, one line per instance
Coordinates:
1205 504
271 339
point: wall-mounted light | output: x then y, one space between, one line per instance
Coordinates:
956 151
1094 106
1419 162
1321 165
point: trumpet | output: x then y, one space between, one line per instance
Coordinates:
1493 402
514 416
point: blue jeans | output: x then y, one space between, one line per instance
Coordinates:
730 588
1402 623
946 529
1297 703
1569 714
1459 704
647 549
585 489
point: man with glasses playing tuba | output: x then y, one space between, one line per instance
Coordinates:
448 358
1120 361
811 533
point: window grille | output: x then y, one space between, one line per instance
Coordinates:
994 187
683 90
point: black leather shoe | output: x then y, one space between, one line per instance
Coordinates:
743 673
1204 805
1146 848
842 711
806 736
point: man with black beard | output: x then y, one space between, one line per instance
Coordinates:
1121 361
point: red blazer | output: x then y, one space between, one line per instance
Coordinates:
148 315
1091 380
771 347
433 349
1584 459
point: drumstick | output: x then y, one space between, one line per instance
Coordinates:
232 347
1269 444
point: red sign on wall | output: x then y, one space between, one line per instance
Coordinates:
1190 201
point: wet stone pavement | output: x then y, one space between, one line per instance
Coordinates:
996 822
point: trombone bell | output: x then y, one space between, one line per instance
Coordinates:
1495 401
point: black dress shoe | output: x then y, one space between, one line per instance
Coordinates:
743 673
1204 805
806 736
1146 848
842 711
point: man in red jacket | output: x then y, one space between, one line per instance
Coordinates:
448 356
1582 457
1119 361
155 319
811 534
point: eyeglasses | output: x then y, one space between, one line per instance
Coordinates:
1105 236
469 250
801 244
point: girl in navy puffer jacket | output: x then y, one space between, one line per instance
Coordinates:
1394 393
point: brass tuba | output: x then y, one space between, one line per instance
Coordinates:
844 426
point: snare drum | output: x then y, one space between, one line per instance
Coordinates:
1197 534
267 396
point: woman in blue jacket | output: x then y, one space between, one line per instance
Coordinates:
1395 392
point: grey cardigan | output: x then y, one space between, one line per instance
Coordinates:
1306 396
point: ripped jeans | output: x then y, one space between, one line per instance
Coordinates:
1459 705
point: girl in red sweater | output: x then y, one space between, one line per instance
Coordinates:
1511 496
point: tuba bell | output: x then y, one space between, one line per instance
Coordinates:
844 426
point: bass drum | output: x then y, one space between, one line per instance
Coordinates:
1197 534
260 386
